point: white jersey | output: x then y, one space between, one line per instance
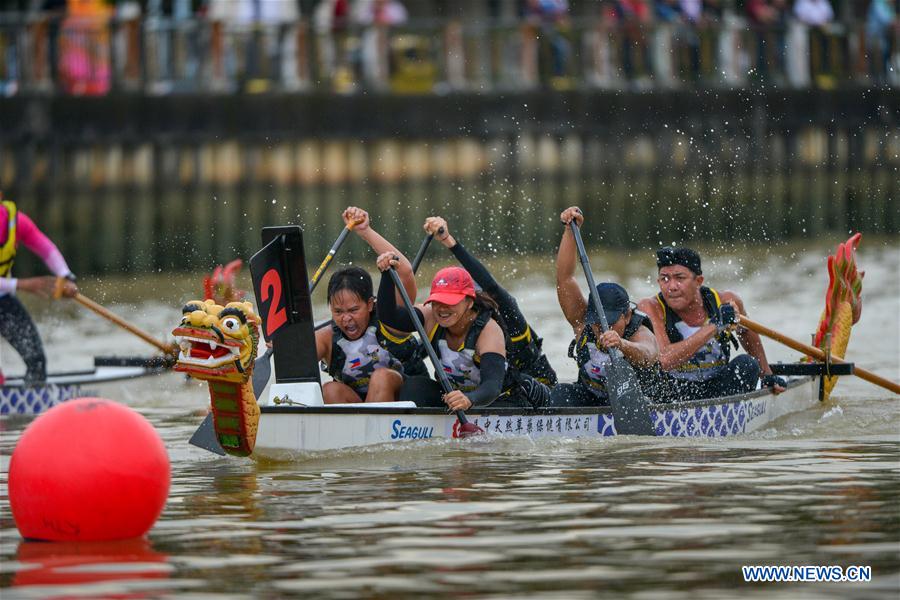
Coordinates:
459 366
705 363
363 356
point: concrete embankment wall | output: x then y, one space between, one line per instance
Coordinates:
139 183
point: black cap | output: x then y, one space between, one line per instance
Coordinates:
615 303
668 256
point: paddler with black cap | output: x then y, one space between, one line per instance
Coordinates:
695 327
628 329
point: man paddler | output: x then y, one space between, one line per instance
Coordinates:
628 329
695 328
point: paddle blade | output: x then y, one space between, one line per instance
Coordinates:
469 429
205 437
262 371
631 408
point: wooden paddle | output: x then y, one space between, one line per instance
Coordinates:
816 353
466 428
631 409
314 280
170 349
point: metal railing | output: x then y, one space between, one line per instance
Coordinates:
96 56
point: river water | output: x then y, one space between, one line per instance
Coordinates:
626 517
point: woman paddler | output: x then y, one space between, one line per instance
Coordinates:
524 351
16 325
367 360
629 330
465 328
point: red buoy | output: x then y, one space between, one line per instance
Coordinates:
87 470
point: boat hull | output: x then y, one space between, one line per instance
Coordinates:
285 431
16 398
33 400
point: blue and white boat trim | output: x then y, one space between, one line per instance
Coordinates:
287 429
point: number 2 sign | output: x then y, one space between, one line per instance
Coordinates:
271 287
281 286
271 292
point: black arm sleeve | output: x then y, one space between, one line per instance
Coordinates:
509 309
387 310
493 372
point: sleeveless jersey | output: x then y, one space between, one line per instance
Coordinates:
8 249
712 356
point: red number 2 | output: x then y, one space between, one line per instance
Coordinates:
277 316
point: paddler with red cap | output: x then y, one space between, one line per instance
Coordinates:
466 330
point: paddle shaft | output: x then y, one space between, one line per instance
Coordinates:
817 353
614 353
422 250
106 314
631 409
327 261
420 329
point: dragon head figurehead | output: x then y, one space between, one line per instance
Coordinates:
843 303
217 342
218 345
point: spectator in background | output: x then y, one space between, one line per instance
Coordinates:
551 19
380 12
881 19
53 11
817 15
84 68
666 11
814 13
632 18
691 18
264 23
768 19
376 16
338 61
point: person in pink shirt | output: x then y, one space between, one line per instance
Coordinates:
16 325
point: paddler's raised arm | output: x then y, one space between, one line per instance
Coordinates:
389 304
509 308
440 229
362 227
571 300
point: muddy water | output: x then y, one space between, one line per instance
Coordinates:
629 517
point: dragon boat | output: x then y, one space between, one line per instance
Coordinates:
286 418
19 398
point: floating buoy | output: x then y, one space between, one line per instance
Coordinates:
88 470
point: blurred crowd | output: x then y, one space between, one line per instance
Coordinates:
89 47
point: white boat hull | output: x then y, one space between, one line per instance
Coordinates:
286 431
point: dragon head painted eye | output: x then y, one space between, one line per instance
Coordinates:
231 325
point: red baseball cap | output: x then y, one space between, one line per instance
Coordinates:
450 286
